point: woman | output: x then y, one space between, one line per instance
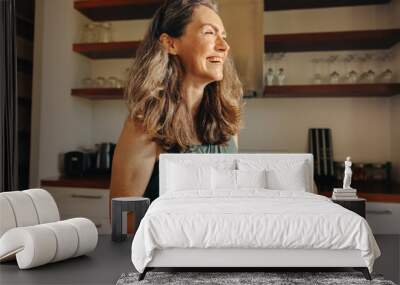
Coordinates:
183 95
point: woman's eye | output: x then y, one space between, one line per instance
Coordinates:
209 32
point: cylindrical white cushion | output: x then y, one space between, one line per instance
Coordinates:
34 245
45 205
87 234
23 208
7 218
41 244
67 239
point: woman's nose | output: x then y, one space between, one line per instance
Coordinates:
221 44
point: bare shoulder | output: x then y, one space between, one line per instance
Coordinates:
133 162
134 147
134 142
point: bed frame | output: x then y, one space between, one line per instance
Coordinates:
246 259
249 258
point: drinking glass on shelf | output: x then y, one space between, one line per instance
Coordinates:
281 69
270 76
270 68
334 77
387 73
281 76
105 32
100 82
362 61
92 33
316 67
332 69
370 76
387 76
87 82
353 76
348 61
112 81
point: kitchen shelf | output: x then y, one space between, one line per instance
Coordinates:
275 5
333 90
113 10
79 182
98 93
328 41
107 50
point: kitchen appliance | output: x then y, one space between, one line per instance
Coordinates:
78 163
89 162
105 154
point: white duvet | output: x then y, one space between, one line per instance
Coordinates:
251 218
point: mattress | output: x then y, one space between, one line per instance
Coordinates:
251 219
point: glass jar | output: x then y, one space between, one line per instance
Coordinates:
105 33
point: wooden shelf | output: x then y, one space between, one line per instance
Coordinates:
83 182
107 50
333 90
99 93
328 41
275 5
112 10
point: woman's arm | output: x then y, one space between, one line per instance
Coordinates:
133 162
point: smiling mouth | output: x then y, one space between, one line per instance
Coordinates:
215 59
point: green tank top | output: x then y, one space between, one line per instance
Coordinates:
152 190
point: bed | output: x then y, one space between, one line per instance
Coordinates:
246 211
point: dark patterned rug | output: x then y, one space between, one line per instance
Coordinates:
242 278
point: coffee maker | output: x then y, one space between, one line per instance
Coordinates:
84 163
105 154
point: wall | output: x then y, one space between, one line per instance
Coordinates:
362 127
59 122
245 39
365 128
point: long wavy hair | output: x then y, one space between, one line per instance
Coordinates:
153 91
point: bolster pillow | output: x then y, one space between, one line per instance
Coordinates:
26 208
40 244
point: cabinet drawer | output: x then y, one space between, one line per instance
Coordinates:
383 218
81 202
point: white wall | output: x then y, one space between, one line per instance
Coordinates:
365 128
360 126
60 122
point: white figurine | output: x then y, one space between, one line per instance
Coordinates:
347 173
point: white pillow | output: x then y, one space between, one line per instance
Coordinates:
182 177
281 174
224 179
251 178
293 179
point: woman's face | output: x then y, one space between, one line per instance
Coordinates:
203 47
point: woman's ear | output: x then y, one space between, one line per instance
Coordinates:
169 43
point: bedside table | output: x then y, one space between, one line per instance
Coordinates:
355 205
